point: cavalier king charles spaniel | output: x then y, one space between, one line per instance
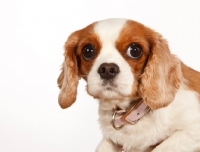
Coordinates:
148 99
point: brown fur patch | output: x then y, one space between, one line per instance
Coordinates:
157 72
192 77
87 37
133 32
74 65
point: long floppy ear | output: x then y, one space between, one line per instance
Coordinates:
162 75
68 79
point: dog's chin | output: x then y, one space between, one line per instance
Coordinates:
107 92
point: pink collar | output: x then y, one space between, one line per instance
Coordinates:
131 115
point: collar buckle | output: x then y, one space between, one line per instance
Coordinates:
131 115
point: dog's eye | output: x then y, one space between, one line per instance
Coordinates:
88 52
134 51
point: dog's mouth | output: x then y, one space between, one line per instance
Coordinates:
109 89
109 85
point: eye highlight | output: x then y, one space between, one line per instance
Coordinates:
134 51
88 52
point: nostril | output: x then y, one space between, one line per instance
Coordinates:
101 70
108 70
112 70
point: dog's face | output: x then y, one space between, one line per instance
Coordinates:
119 59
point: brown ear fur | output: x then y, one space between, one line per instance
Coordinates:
68 79
162 75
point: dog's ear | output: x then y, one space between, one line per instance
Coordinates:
68 79
162 75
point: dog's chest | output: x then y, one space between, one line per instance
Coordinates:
139 137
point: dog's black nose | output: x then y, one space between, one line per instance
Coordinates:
108 70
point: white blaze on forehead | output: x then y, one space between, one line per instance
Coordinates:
108 32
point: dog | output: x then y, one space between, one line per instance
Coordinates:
149 100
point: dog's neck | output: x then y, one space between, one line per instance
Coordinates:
110 104
130 112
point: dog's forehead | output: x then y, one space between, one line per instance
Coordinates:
108 30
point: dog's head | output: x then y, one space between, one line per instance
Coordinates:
119 59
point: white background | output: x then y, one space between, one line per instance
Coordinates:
32 35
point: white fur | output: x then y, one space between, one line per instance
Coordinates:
176 127
109 54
